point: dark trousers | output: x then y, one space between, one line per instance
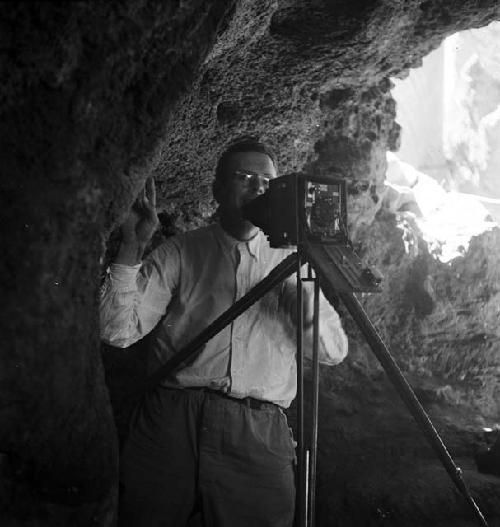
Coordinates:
195 449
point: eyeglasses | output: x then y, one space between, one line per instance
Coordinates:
248 177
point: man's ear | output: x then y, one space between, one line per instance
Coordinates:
217 189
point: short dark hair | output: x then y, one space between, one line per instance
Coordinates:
242 144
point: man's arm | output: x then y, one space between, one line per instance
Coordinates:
139 227
135 295
333 344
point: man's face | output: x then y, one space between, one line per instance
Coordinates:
247 177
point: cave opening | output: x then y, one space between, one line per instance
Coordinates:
444 174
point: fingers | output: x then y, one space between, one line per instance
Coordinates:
150 191
146 200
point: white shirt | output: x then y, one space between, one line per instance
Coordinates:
187 282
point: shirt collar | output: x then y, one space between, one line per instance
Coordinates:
229 243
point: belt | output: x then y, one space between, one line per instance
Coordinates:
249 402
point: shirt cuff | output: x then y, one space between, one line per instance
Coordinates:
123 276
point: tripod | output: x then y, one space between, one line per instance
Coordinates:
334 284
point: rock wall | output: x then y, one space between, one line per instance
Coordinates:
87 91
97 97
440 322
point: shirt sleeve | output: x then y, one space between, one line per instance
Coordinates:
333 343
134 298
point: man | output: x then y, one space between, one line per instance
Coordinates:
214 436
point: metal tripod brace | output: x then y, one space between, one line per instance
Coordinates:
307 447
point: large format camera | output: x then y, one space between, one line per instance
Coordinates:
311 212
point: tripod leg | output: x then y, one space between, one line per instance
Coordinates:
408 395
315 406
301 507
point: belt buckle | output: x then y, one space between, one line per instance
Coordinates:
248 402
255 404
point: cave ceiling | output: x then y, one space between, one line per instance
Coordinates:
311 79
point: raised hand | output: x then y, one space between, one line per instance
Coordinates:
139 226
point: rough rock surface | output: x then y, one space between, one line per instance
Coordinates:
87 91
439 321
99 95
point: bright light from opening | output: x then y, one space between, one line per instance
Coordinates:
445 179
447 220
